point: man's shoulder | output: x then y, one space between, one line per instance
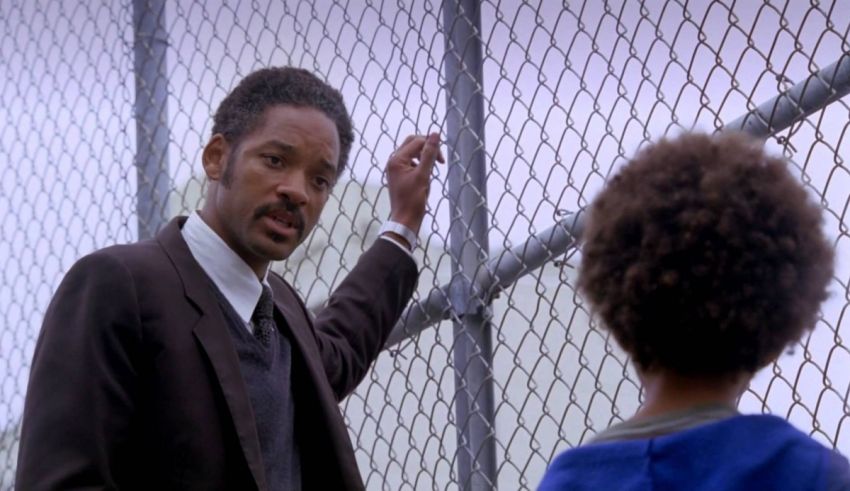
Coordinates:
139 258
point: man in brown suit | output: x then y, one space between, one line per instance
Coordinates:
181 362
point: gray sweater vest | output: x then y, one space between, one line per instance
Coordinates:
267 371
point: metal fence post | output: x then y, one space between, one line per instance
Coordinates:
467 176
152 133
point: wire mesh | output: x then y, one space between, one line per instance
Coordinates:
569 91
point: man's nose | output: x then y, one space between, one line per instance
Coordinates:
294 186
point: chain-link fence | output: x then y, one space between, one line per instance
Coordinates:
498 365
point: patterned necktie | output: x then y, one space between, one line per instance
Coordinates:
263 317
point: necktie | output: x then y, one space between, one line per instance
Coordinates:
263 317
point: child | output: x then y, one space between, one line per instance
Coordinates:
705 259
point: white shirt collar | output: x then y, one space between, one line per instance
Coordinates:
232 275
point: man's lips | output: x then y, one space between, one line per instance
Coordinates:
285 218
282 220
281 226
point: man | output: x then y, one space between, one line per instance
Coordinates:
705 259
181 362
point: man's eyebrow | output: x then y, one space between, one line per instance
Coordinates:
280 146
329 167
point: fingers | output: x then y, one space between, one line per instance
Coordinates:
411 148
430 153
439 156
409 177
407 140
418 147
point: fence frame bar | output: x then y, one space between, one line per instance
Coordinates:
814 93
469 245
151 112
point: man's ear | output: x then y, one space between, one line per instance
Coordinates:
214 157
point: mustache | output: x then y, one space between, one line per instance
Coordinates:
285 206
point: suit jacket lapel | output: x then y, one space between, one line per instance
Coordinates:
303 338
315 380
214 337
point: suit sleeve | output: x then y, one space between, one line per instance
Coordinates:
361 312
83 381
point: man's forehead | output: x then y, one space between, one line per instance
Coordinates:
294 124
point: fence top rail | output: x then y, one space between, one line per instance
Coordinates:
804 98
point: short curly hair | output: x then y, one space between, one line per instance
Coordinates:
704 256
241 111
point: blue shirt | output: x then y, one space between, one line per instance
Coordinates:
740 453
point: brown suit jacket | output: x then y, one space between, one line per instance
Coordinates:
135 383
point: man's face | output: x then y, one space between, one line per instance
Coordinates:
273 185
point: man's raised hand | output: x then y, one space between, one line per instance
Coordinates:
409 178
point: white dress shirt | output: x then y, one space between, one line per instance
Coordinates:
230 273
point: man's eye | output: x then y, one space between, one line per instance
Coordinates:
273 161
322 183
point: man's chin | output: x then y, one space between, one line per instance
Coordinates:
278 254
279 250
